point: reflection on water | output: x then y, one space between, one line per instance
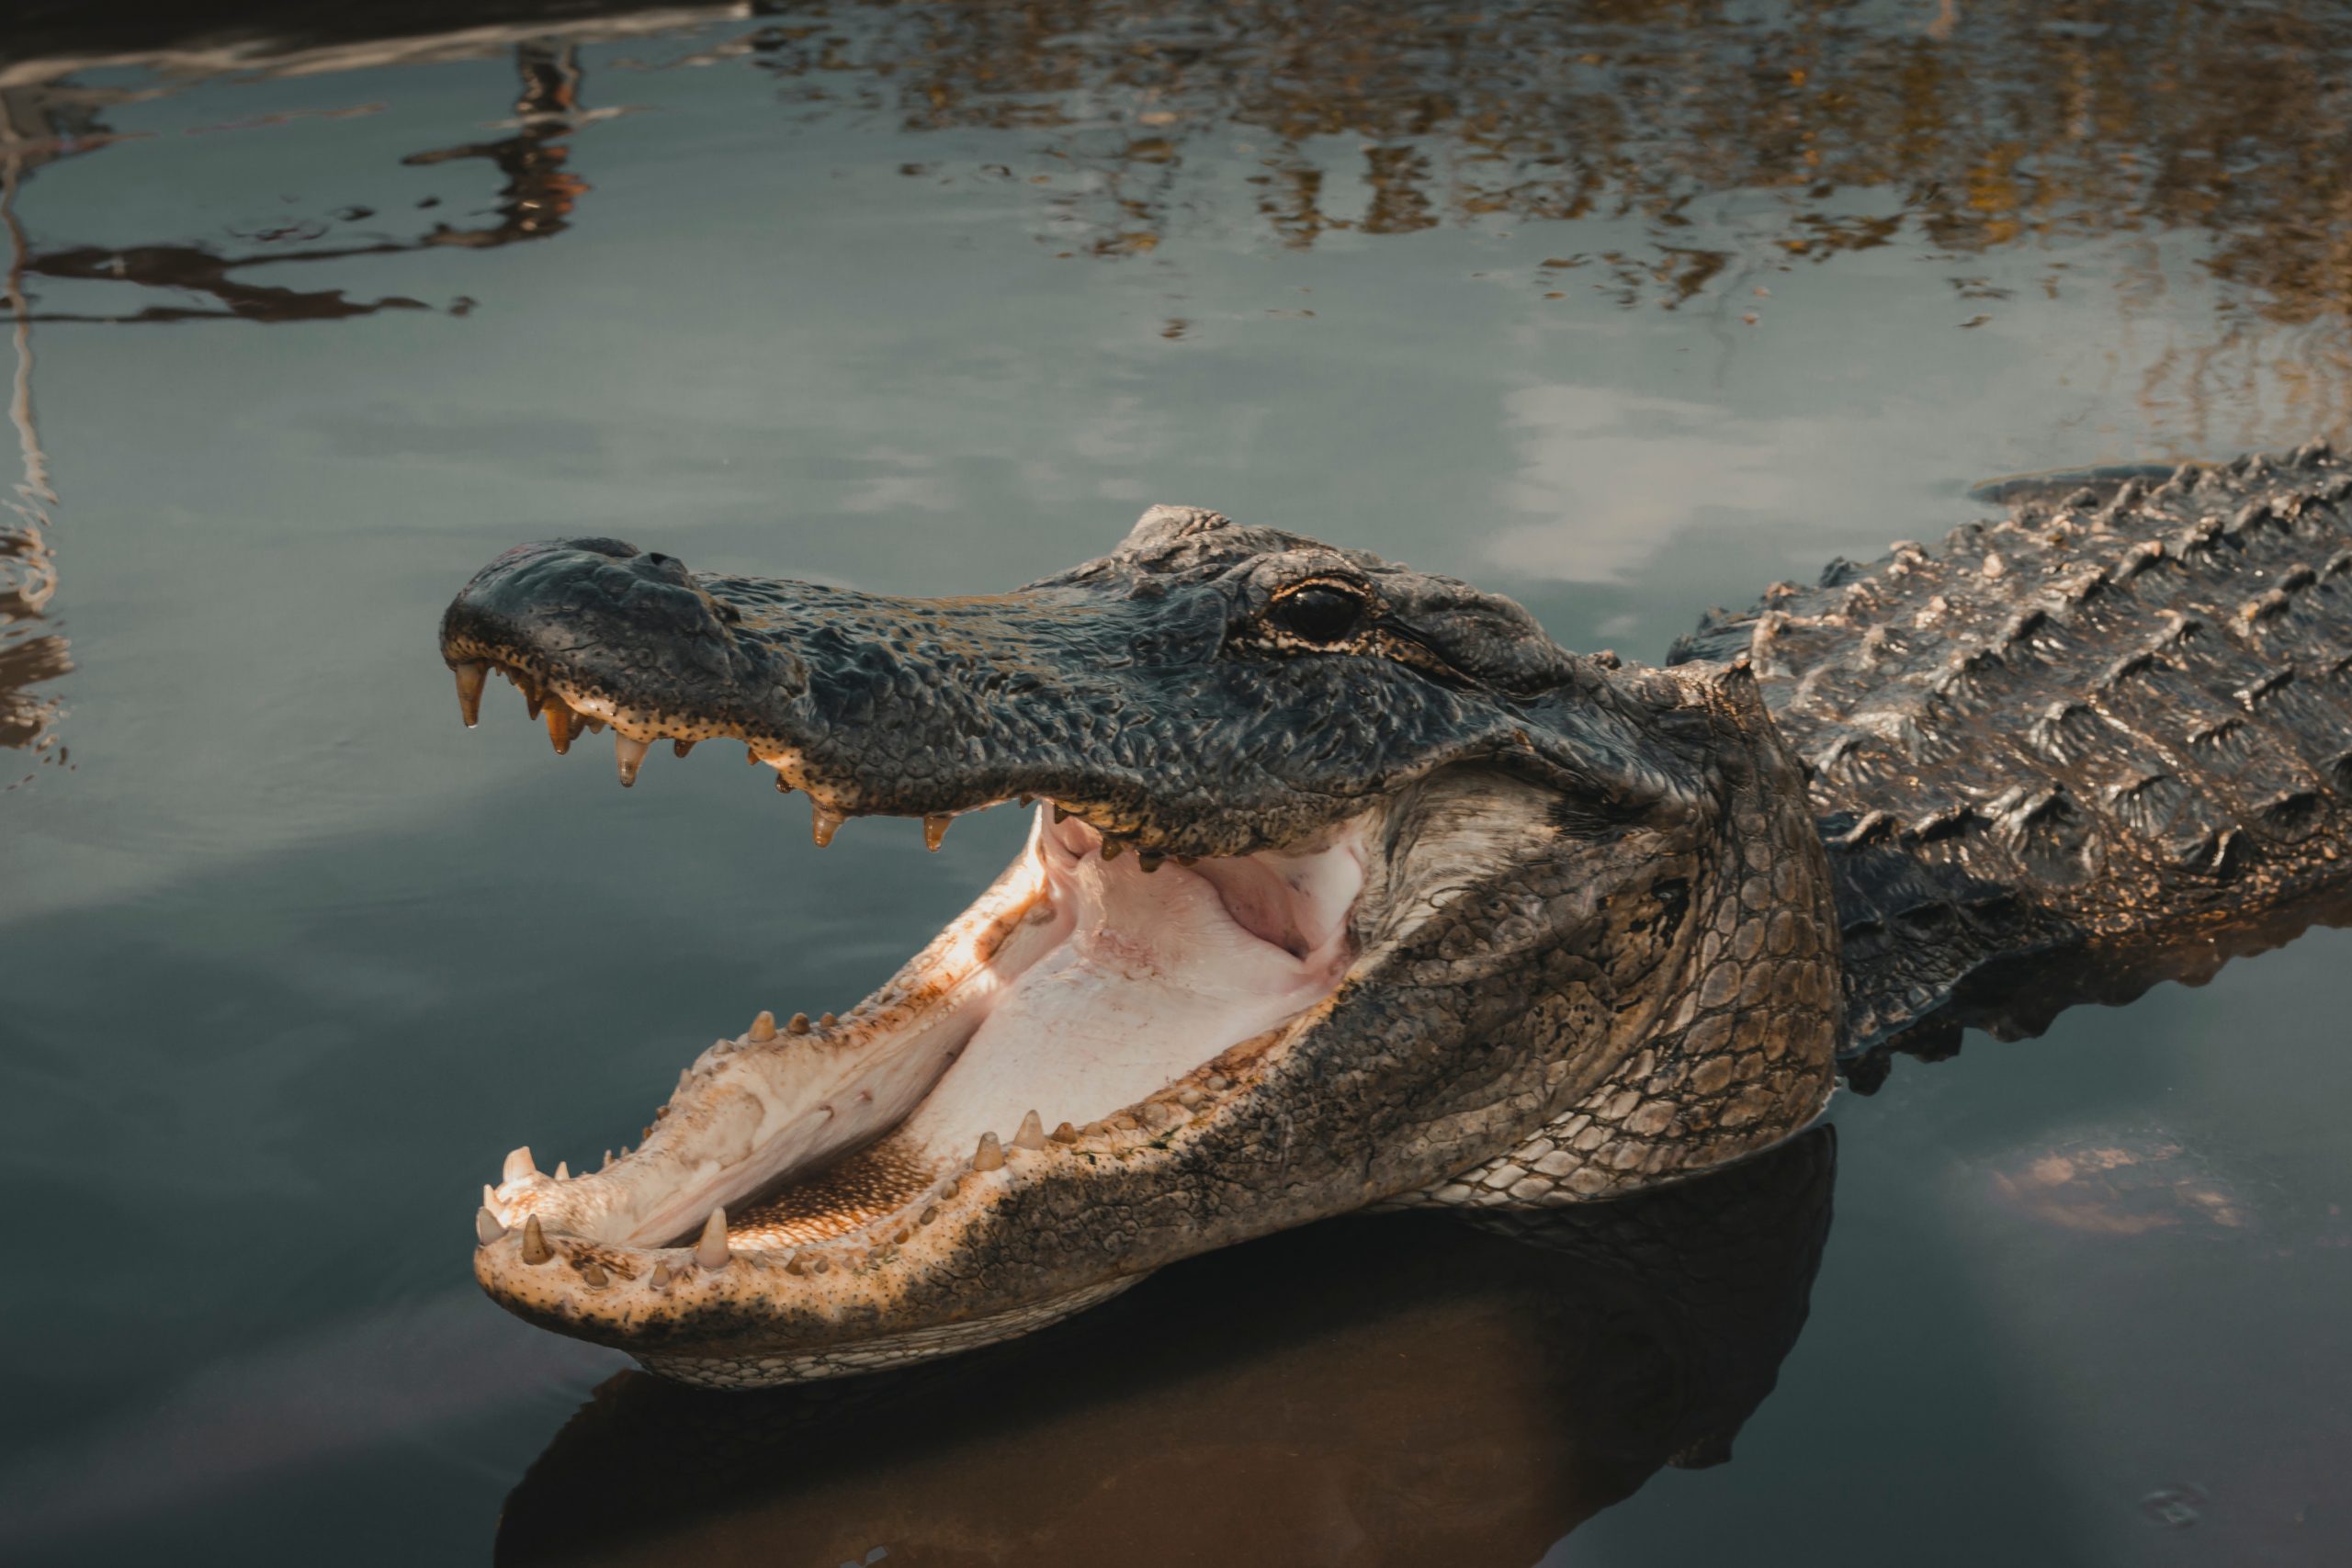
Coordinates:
1725 140
42 121
28 655
1974 127
1395 1390
1621 308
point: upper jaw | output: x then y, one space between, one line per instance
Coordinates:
1116 705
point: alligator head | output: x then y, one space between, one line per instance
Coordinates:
1344 880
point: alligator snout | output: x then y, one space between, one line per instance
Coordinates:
618 625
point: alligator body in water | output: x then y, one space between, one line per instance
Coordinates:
1347 887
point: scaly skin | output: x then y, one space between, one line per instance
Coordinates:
2108 728
1600 947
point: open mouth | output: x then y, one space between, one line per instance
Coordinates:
1092 1000
1344 886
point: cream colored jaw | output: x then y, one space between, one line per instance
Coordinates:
754 1109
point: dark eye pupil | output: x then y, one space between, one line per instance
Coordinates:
1317 614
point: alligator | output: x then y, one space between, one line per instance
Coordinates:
1346 887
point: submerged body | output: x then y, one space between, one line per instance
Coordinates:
1347 887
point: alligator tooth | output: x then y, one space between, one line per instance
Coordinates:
1110 848
562 1171
533 699
680 748
470 675
1025 800
1062 813
596 726
825 823
518 1165
934 831
750 756
799 1024
1031 1135
592 1272
1064 1134
609 1161
486 1227
711 1250
535 1242
629 754
991 1154
490 1196
1148 860
827 1021
762 1028
783 785
661 1276
560 730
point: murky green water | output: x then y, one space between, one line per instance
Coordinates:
1625 309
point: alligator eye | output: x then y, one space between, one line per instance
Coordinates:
1319 611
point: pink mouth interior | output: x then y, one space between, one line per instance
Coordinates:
1074 988
1150 974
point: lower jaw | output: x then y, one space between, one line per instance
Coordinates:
1003 1060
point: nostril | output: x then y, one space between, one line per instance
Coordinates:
666 568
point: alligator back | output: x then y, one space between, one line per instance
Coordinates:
2105 727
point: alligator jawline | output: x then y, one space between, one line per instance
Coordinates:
1082 996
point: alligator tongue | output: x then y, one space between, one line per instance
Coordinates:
1157 973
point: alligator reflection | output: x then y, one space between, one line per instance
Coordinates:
1383 1389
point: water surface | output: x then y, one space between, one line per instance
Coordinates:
1623 309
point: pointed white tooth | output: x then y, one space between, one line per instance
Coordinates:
535 1242
629 754
486 1227
490 1196
609 1161
711 1250
1031 1135
562 1171
991 1155
762 1028
470 675
519 1166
